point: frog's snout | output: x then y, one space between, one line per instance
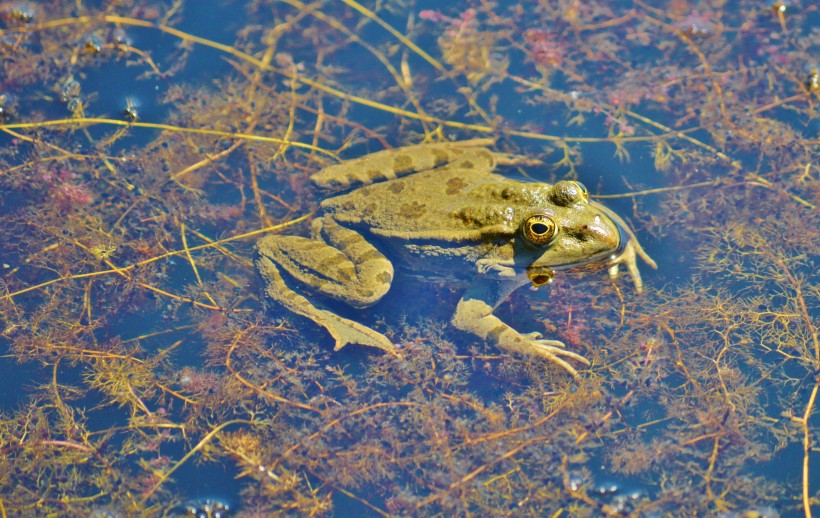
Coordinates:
606 233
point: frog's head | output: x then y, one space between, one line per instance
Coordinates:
571 231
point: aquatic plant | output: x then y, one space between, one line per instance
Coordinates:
142 156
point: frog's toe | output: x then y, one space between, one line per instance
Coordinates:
535 335
553 350
554 344
558 348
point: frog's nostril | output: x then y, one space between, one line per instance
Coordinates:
582 234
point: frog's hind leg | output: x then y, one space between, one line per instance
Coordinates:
342 265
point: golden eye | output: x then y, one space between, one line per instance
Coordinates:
541 277
539 229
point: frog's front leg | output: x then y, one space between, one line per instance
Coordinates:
338 263
474 314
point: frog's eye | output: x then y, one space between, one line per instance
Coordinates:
540 277
539 229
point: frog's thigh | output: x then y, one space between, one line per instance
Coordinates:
337 262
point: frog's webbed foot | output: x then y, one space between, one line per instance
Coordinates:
552 350
475 316
346 332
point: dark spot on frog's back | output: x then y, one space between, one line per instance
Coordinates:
455 185
412 210
402 164
440 157
368 209
396 186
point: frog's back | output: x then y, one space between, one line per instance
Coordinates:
422 202
390 164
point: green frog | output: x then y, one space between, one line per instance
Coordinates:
440 211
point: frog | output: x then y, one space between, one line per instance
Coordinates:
441 211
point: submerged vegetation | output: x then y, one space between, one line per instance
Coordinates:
145 148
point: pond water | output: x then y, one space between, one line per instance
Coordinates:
146 148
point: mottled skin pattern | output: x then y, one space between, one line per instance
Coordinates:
440 209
